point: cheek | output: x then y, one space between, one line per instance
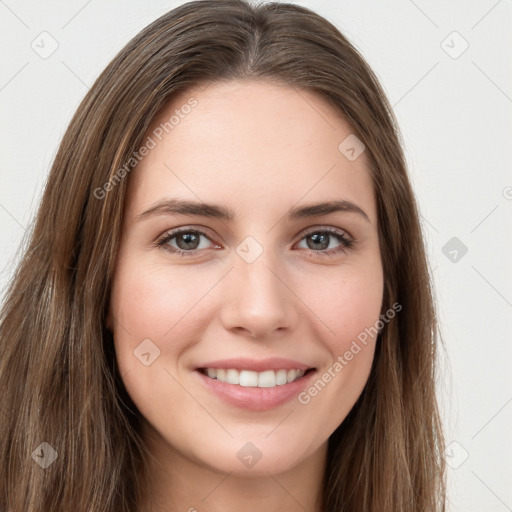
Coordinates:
348 302
158 312
354 309
149 303
152 310
348 305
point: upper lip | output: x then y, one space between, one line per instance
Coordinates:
256 365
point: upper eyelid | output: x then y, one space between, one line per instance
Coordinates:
330 229
172 233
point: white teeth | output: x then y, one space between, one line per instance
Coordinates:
281 377
247 378
232 377
290 375
267 379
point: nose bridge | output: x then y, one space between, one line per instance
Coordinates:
258 299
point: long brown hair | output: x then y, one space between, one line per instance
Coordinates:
58 374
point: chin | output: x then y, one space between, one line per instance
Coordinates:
253 456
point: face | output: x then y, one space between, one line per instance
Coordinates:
230 278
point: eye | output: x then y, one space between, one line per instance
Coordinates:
326 241
185 241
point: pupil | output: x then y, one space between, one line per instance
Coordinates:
322 239
187 241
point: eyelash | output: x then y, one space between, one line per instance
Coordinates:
346 243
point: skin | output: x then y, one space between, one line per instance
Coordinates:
260 149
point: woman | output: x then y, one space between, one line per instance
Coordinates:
225 300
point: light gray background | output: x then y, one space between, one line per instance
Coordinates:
455 114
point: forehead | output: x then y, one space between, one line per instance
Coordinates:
254 142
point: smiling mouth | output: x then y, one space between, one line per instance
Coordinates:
248 378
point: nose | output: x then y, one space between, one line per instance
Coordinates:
257 299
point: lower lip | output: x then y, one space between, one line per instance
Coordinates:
254 398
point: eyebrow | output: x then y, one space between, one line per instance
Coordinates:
215 211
